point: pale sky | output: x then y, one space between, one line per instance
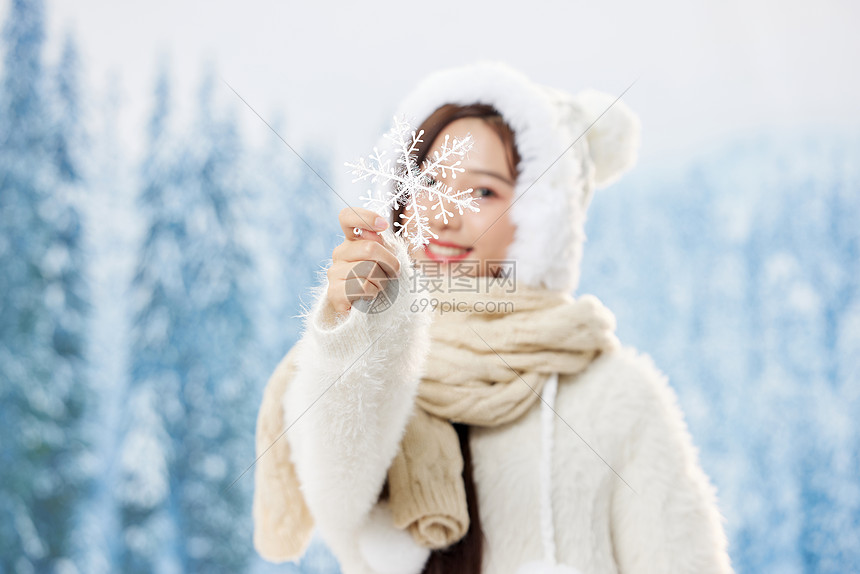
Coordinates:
703 71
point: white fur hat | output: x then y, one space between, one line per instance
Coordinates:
555 186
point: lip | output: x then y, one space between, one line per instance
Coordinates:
446 244
435 257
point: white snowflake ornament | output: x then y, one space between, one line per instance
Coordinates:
406 183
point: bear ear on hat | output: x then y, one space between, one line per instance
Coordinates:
613 140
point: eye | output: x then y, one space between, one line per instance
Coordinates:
484 192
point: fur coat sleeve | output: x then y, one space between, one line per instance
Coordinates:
343 394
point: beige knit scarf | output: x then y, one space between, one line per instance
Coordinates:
491 353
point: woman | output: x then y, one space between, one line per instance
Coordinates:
468 426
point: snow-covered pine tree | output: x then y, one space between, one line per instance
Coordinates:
111 224
153 399
269 180
192 359
296 231
42 311
313 209
213 341
69 143
819 295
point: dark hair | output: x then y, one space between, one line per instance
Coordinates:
447 113
464 556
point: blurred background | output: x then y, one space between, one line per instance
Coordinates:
158 239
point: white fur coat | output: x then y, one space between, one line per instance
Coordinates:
628 493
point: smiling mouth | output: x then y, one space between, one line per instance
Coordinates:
444 253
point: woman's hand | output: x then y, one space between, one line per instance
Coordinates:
360 265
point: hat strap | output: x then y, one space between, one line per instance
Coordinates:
547 427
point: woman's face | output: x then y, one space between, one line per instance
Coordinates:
473 238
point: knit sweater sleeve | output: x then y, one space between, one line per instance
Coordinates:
671 523
349 402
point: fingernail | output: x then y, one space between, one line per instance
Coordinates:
380 223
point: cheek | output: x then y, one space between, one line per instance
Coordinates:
495 224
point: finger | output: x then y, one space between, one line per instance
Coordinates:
360 288
365 271
351 218
348 290
353 252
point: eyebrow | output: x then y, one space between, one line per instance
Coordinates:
492 174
